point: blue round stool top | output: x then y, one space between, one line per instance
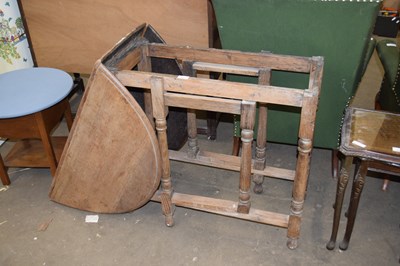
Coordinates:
30 90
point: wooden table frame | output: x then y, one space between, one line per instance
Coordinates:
227 97
36 147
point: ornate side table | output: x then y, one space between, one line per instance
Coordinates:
373 139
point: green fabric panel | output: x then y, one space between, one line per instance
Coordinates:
389 56
338 31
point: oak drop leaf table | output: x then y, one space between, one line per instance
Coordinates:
32 103
129 64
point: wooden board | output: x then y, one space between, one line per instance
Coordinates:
111 163
72 34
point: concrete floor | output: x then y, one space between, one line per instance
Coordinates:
37 231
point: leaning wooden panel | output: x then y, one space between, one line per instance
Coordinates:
112 161
72 34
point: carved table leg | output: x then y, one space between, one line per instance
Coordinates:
247 125
160 114
340 191
358 185
335 162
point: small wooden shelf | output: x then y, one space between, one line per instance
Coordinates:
31 153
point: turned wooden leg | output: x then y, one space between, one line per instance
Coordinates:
167 209
299 190
193 147
340 191
160 114
166 184
247 125
358 185
259 162
5 179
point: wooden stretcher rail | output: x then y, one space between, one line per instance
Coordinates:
226 208
215 88
229 162
229 57
208 103
248 71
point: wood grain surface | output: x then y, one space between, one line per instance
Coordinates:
111 163
72 34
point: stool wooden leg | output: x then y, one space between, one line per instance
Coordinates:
46 140
68 115
358 185
247 125
340 191
5 179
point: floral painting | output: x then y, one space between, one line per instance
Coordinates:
14 46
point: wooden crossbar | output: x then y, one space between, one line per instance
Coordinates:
229 162
229 57
207 103
226 208
216 88
241 70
